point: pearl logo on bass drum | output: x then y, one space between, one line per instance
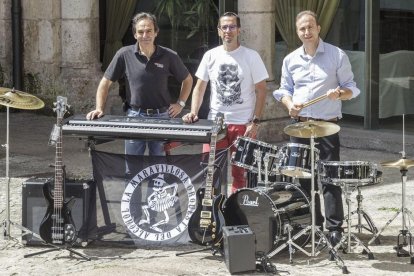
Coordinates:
247 202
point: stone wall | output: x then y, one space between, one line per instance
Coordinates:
5 43
61 49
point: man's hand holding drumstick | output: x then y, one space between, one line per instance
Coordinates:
332 94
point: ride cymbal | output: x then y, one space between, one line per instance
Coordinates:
311 128
400 164
18 99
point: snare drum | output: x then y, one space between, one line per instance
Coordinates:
244 156
347 172
295 160
268 211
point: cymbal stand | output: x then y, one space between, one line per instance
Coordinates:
349 235
406 216
313 228
7 222
405 233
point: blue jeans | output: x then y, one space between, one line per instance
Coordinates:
138 147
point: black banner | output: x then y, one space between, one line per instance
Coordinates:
153 202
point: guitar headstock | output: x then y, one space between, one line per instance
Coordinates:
219 123
61 106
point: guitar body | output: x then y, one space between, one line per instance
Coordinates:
57 227
212 234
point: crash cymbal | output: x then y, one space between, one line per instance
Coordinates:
311 128
400 164
18 99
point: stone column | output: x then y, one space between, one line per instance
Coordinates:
41 36
80 51
258 32
258 29
5 42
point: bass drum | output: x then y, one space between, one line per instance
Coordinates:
268 211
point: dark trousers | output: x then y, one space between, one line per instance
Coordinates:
329 150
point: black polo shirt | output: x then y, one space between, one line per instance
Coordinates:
146 81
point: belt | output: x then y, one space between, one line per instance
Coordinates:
305 119
150 111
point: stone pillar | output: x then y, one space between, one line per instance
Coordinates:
5 43
258 29
41 36
80 51
258 32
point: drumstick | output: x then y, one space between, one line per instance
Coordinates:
320 98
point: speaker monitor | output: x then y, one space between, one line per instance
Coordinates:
34 207
239 248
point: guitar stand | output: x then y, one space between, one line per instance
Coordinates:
214 249
362 214
58 248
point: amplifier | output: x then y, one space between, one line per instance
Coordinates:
83 211
239 248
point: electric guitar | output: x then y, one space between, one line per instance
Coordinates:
205 225
57 226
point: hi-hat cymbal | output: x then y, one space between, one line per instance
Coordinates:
18 99
400 164
311 128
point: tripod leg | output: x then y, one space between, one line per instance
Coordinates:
333 251
41 252
78 253
383 228
372 228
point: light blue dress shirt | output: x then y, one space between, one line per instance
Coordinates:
305 78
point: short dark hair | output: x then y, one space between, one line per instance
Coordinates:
308 12
144 15
231 14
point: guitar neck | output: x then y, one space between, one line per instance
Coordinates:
59 175
210 168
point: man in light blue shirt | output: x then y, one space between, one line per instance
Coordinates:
318 69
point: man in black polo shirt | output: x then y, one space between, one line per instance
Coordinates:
145 67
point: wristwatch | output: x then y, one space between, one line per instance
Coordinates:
181 103
255 120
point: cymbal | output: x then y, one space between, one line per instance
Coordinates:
400 164
311 128
18 99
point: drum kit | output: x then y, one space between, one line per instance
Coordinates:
19 100
280 213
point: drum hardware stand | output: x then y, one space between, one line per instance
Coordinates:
257 154
363 214
7 222
313 228
349 235
405 235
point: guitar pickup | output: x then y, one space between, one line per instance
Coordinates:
207 202
204 223
205 215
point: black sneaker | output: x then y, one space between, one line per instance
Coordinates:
335 237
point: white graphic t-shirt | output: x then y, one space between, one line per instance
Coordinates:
232 77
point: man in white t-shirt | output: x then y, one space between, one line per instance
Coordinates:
237 78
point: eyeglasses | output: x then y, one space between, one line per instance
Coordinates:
228 28
230 14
